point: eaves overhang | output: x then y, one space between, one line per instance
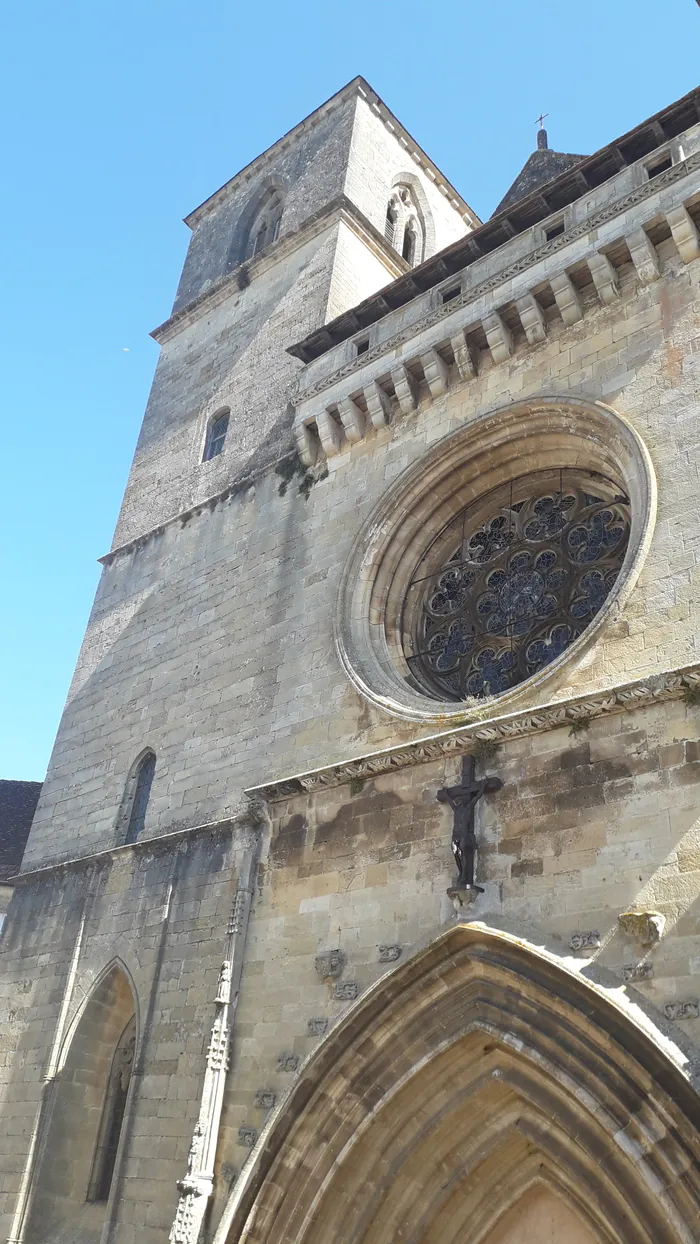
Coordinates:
557 194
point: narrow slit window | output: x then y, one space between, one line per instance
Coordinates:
408 251
216 436
390 224
361 347
555 230
142 794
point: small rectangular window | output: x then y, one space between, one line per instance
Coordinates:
555 230
660 166
448 294
361 347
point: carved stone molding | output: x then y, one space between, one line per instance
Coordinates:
389 954
247 1136
682 1010
287 1061
330 964
585 941
265 1099
317 1027
676 173
345 991
637 972
670 685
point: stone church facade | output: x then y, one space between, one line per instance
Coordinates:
407 567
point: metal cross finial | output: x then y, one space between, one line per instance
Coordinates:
543 115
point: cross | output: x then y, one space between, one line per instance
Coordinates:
463 800
543 115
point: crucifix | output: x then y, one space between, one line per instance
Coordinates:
463 800
541 119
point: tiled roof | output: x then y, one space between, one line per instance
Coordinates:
18 802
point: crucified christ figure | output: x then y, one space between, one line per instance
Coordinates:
463 800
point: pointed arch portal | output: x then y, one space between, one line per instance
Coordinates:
480 1094
86 1114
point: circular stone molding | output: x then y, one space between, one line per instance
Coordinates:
547 435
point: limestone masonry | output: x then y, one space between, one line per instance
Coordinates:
407 568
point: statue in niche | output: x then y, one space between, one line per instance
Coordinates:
463 800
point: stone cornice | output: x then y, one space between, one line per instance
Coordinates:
470 738
160 842
340 208
600 217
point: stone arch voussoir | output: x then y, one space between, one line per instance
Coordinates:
471 1073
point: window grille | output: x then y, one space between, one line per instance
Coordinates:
512 581
216 436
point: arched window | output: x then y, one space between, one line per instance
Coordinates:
113 1115
403 228
410 240
86 1128
142 780
216 436
266 225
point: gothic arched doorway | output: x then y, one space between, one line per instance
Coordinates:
84 1127
479 1090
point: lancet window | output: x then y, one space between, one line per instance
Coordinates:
403 228
139 794
266 225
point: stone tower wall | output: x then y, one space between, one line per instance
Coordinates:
212 642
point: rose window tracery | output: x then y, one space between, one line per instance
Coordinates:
512 581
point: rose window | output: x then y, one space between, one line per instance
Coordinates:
511 581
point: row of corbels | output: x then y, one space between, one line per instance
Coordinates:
345 422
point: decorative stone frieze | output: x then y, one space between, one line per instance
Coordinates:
544 251
589 940
671 685
645 927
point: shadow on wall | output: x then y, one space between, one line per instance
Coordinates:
84 1119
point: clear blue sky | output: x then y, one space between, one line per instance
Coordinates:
120 118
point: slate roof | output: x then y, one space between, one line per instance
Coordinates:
18 802
542 166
